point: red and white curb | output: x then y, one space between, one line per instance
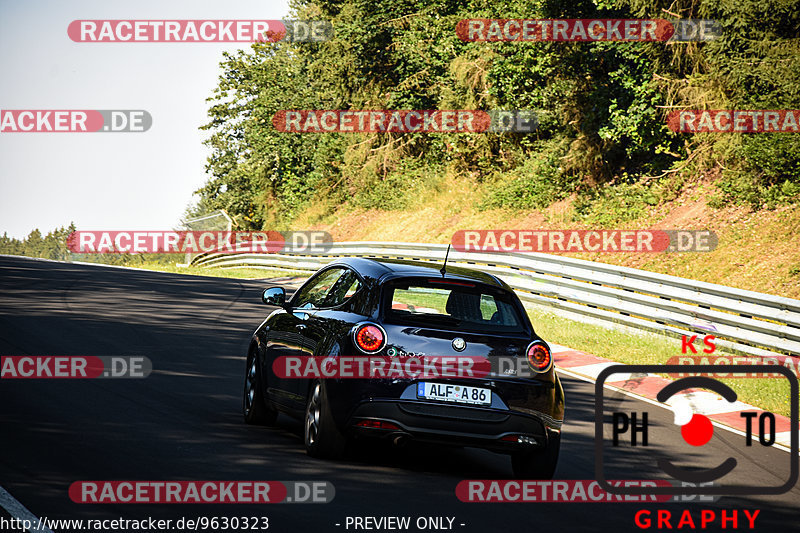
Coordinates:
722 413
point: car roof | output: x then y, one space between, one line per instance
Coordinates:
382 269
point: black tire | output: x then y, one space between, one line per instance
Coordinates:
320 434
537 465
254 407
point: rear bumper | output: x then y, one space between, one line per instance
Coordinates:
493 429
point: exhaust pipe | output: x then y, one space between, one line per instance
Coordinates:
400 440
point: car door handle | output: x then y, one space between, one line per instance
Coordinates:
301 326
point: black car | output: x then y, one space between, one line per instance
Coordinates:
359 306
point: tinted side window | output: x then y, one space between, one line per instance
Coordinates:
347 285
330 289
316 291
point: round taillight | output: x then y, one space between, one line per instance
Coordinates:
539 357
369 338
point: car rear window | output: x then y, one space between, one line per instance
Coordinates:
451 304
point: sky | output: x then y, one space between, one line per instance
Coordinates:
108 181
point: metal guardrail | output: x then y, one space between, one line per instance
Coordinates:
743 321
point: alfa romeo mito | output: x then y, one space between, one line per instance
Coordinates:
367 307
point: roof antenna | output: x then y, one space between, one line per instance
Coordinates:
443 270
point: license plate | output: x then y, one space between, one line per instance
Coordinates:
454 393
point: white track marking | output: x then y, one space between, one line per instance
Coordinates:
682 408
557 348
594 370
17 510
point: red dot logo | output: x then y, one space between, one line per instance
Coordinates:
698 430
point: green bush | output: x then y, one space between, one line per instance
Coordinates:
399 189
771 174
536 183
613 204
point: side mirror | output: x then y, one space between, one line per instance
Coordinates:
274 296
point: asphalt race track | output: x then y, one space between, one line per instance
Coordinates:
183 422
